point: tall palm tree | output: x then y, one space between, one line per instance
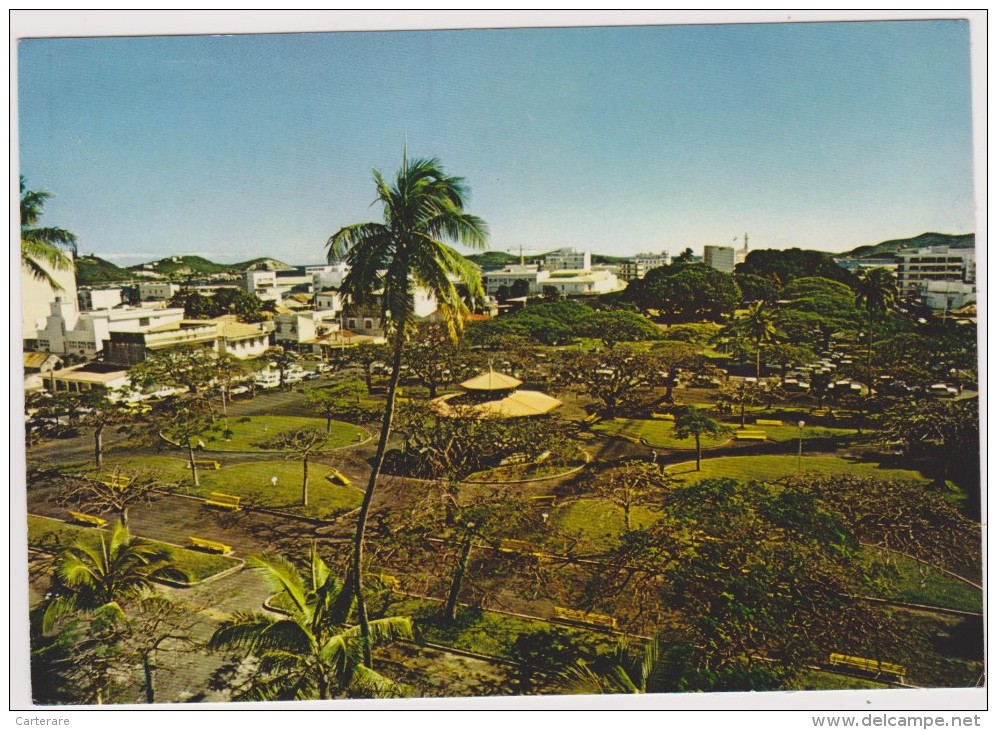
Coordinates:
422 210
41 247
875 292
311 653
759 325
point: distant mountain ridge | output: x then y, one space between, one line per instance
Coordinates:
94 271
953 240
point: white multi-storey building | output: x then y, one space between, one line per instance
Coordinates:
721 258
67 330
638 266
303 327
568 259
37 296
937 263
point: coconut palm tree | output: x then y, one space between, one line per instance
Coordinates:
41 247
423 209
92 576
624 673
759 325
876 291
310 652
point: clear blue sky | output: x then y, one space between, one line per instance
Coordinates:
822 135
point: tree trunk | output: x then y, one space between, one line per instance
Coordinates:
742 410
328 424
758 360
98 446
699 453
150 690
123 513
193 464
458 580
626 517
382 444
304 482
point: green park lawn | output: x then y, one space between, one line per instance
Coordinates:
52 536
486 632
252 482
250 433
932 588
598 521
773 467
658 433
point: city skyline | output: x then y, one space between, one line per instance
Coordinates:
617 140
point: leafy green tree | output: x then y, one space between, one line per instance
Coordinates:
620 326
519 289
757 288
685 257
759 325
685 293
282 359
551 293
41 247
627 670
740 396
311 652
691 422
182 421
785 265
423 209
180 367
435 360
195 305
542 656
94 412
364 357
678 358
303 443
335 400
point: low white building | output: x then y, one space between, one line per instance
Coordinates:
90 299
329 276
157 291
67 330
328 301
303 327
947 295
575 283
532 274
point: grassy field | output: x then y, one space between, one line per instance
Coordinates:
249 433
486 632
598 520
926 586
252 482
659 433
772 467
53 536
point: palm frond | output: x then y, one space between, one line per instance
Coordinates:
368 684
283 576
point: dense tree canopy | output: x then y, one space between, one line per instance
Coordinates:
786 265
685 293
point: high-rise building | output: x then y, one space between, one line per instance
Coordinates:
720 258
937 263
568 258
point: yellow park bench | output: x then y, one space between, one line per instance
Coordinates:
88 519
210 545
339 478
205 464
872 666
767 422
631 436
591 419
663 416
750 436
117 480
225 501
583 617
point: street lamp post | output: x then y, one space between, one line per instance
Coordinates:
799 452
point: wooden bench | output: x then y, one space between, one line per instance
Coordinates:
630 436
582 617
205 464
872 666
767 422
210 545
591 419
663 416
224 501
750 436
88 519
338 478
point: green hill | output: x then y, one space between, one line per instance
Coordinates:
182 266
964 240
92 270
493 259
